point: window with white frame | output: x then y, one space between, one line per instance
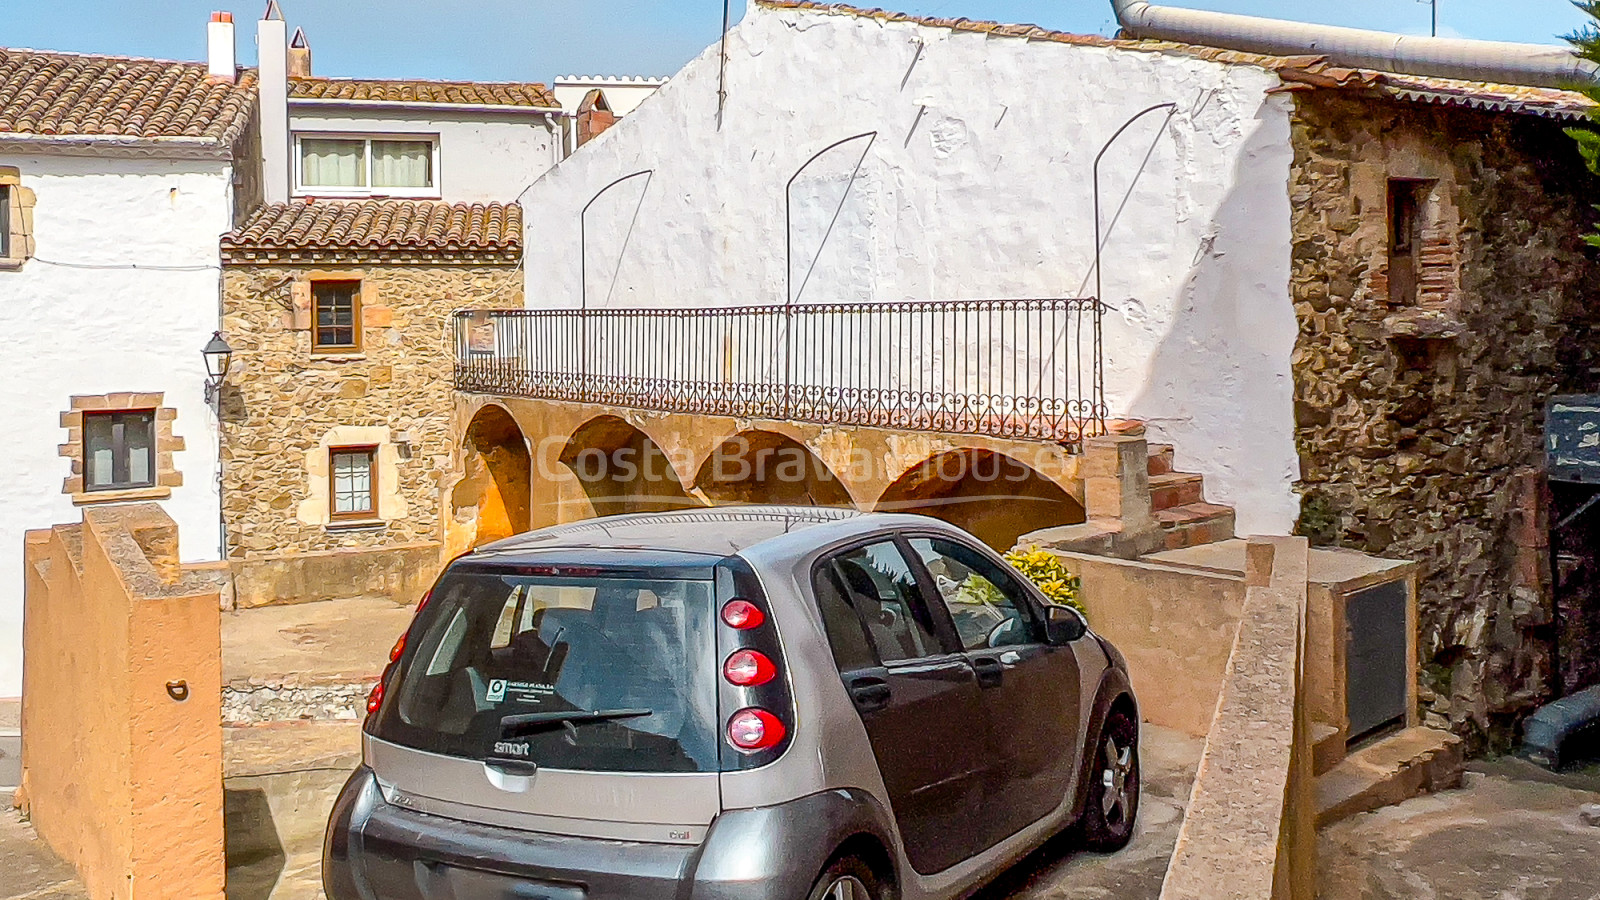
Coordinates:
340 165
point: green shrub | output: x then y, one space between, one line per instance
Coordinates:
1044 569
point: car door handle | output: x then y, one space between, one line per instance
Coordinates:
989 670
870 693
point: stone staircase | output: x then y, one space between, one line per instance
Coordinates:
1177 500
1409 763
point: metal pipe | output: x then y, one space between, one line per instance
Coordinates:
1526 64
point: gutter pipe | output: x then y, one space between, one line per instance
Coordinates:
1502 63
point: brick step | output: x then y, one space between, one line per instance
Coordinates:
1193 524
1176 489
1413 762
1161 459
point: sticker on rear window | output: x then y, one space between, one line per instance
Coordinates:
500 691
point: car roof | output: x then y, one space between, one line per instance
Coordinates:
717 532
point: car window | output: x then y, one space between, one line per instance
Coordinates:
989 607
876 583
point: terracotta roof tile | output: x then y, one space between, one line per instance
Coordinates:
487 93
69 94
380 226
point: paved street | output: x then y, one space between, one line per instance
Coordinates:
1511 833
29 871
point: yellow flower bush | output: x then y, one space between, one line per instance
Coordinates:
1044 569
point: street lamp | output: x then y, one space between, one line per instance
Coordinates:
218 355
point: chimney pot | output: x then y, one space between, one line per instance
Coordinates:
221 54
299 55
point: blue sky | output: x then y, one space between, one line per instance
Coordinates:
539 39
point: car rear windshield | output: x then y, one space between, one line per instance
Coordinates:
594 673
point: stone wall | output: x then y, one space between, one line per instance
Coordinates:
284 405
1419 427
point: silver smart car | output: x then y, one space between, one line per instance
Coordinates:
755 703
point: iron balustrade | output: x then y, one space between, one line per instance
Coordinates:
1006 368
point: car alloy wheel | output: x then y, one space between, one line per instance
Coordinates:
847 887
1119 781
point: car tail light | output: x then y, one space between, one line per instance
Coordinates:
375 699
399 648
743 615
423 603
749 668
755 729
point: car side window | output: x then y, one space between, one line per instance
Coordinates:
875 586
989 607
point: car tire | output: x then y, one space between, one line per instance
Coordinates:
1112 808
847 878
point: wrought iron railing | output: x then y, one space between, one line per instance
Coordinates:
1008 368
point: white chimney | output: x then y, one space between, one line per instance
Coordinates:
272 98
221 61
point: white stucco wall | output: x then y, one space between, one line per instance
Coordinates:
978 185
623 93
73 330
483 157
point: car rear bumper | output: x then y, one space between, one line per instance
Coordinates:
377 851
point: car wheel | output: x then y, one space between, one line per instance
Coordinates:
847 878
1113 803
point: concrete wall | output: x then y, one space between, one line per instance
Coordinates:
483 157
79 318
122 770
1175 626
1249 830
978 185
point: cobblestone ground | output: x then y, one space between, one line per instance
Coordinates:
28 870
1511 833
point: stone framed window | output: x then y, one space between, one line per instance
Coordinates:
353 487
121 447
336 316
16 219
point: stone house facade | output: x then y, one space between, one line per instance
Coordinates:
1444 294
336 416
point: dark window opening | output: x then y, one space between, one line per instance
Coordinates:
1406 205
353 482
119 450
336 314
5 221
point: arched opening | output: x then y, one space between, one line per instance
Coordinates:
995 497
621 470
496 489
763 467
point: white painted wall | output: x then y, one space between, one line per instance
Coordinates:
483 157
977 186
623 93
70 330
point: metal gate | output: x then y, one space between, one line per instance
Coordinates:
1375 659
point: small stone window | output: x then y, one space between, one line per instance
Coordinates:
119 450
336 316
16 219
1407 216
353 493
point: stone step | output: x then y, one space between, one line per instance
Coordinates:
1391 770
258 701
1161 459
1327 747
1176 489
1194 524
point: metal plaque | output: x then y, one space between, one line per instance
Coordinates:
1572 438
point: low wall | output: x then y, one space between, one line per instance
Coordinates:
1250 827
1176 627
121 720
402 572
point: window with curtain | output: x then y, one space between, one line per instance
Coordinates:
353 492
119 450
350 165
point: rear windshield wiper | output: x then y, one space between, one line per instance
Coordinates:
526 722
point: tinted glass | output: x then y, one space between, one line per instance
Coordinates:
846 636
989 607
876 582
118 450
493 647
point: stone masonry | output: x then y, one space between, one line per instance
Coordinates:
1420 425
282 400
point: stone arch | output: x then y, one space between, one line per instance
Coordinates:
621 469
495 492
994 496
768 467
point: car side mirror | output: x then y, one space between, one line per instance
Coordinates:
1063 625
